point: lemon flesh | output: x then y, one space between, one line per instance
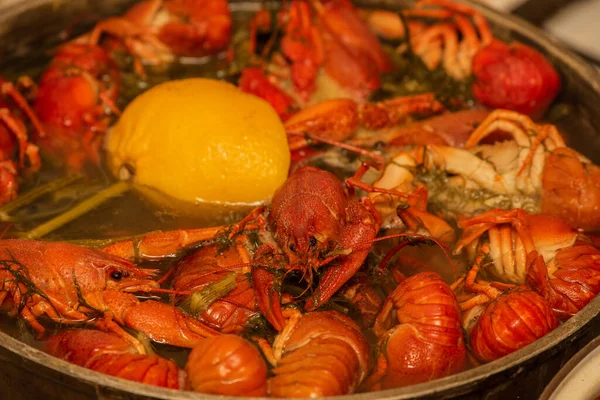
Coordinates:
201 140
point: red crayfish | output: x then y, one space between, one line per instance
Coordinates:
75 285
511 76
420 334
223 365
501 319
14 139
227 365
209 264
155 31
541 250
311 220
112 355
320 36
321 353
322 220
75 102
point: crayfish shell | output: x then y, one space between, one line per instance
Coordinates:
227 365
427 343
326 355
512 321
109 354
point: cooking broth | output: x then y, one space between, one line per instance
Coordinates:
132 213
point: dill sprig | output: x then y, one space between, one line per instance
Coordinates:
201 300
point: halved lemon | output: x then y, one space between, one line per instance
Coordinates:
201 140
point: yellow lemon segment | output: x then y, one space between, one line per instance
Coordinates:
201 140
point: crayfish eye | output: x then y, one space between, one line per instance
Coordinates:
292 247
116 275
380 144
313 241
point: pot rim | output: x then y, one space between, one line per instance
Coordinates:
465 378
550 46
564 373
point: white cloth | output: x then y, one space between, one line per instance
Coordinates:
576 24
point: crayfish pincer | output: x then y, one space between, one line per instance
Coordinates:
75 285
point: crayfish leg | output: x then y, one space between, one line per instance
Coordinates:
161 244
267 297
361 228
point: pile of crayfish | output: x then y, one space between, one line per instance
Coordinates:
457 228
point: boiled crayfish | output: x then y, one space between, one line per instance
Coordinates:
156 31
75 102
75 285
542 250
459 39
229 313
321 353
501 319
311 221
527 171
15 139
301 282
224 365
112 355
420 335
325 39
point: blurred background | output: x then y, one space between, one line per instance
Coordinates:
575 22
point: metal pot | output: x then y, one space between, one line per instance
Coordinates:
578 378
27 373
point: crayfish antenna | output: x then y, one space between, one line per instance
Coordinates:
411 239
355 149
